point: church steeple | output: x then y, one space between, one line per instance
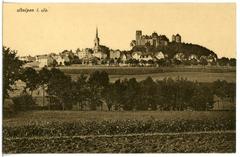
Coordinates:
96 41
97 32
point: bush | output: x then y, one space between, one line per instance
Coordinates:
23 102
8 107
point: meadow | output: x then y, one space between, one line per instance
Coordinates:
193 73
141 131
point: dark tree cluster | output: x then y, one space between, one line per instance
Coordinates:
12 67
166 94
64 92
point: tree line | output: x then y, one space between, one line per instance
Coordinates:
95 90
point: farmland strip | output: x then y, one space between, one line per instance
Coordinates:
122 135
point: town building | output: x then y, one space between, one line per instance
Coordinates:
136 55
179 56
44 60
193 56
114 54
85 54
27 58
159 55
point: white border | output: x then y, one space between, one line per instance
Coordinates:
136 1
120 1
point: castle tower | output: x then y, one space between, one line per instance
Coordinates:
178 38
96 41
173 38
138 37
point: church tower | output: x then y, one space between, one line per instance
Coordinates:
96 42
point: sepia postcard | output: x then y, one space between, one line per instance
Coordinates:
119 78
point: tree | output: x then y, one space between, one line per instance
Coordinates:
133 43
12 67
194 61
31 78
151 62
203 61
104 61
23 102
95 61
130 97
202 98
98 81
75 60
60 85
147 95
119 60
44 76
135 62
99 78
81 91
232 61
220 88
177 62
111 62
109 95
187 62
139 48
161 62
223 61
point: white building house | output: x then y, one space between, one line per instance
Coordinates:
179 56
193 56
84 53
44 60
100 55
136 55
159 55
60 60
211 58
27 58
114 54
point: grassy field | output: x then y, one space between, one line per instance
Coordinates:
195 73
115 70
119 132
192 76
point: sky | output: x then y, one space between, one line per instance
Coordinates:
72 26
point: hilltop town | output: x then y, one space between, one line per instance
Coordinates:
146 50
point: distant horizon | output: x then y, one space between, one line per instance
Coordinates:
72 26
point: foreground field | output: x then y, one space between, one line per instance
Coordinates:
74 131
176 143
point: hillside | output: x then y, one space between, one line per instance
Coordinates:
173 48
